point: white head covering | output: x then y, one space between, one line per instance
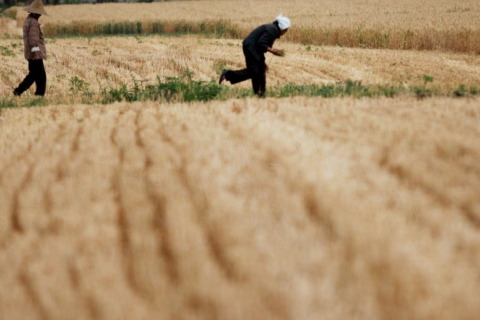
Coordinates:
283 22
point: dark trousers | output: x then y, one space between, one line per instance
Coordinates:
255 70
36 74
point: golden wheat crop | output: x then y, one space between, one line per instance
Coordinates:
3 23
104 62
409 14
246 209
404 24
298 208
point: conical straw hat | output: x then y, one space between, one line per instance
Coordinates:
36 7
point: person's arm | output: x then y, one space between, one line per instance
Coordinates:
265 42
276 52
34 39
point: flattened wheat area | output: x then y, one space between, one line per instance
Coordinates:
250 159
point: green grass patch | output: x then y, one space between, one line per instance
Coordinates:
340 89
18 102
7 103
5 51
183 88
186 89
35 102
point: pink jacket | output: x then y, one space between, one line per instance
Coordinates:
33 39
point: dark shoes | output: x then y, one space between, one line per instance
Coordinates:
222 76
17 93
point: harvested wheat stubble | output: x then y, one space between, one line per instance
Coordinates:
255 209
121 60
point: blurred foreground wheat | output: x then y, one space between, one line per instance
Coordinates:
247 209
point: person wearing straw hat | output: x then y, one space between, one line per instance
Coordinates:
255 45
34 50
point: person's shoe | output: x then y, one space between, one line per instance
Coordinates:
16 93
222 76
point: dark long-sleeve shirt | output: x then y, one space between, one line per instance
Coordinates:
260 39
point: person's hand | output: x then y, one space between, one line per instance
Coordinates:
279 52
276 52
36 56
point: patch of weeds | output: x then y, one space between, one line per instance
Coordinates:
459 9
219 65
96 53
4 103
461 91
139 40
424 92
427 79
390 91
348 88
474 90
5 51
182 88
78 85
185 88
464 91
36 102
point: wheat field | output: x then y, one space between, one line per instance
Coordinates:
294 208
247 209
404 24
442 14
113 61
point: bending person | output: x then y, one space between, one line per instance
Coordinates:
258 42
34 51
